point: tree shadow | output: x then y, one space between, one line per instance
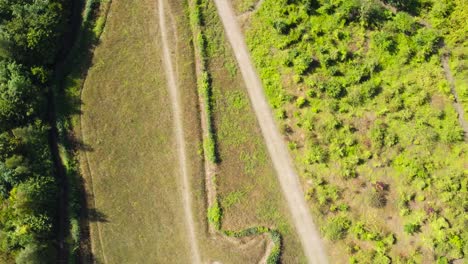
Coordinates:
94 215
71 70
78 144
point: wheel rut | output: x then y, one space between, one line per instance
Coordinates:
174 93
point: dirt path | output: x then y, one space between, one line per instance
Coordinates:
456 101
179 133
447 72
287 176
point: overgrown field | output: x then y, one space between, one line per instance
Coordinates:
450 18
360 93
249 194
130 159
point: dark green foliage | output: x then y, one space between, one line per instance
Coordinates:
33 29
407 5
20 99
275 254
411 228
30 33
35 254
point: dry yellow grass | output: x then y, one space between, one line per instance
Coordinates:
126 122
131 165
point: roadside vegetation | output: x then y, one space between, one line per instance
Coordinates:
360 94
30 217
246 192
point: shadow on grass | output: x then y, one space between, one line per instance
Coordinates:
95 215
70 73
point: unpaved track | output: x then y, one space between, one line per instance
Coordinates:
179 134
287 176
444 60
456 100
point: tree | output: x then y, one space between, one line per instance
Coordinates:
34 253
33 29
20 100
337 228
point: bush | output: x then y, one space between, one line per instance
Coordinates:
378 133
215 215
411 228
35 254
275 254
316 154
301 102
337 228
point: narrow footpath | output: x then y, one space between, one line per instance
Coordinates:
278 151
179 133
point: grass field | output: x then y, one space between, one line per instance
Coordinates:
248 189
126 124
130 165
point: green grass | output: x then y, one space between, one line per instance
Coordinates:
246 182
361 96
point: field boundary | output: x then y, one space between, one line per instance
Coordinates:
93 18
214 211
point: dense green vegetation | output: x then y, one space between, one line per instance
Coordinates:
30 39
361 95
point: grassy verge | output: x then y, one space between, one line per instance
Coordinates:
235 127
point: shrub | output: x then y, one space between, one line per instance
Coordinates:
301 102
316 154
35 253
337 228
411 228
275 254
215 215
378 133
